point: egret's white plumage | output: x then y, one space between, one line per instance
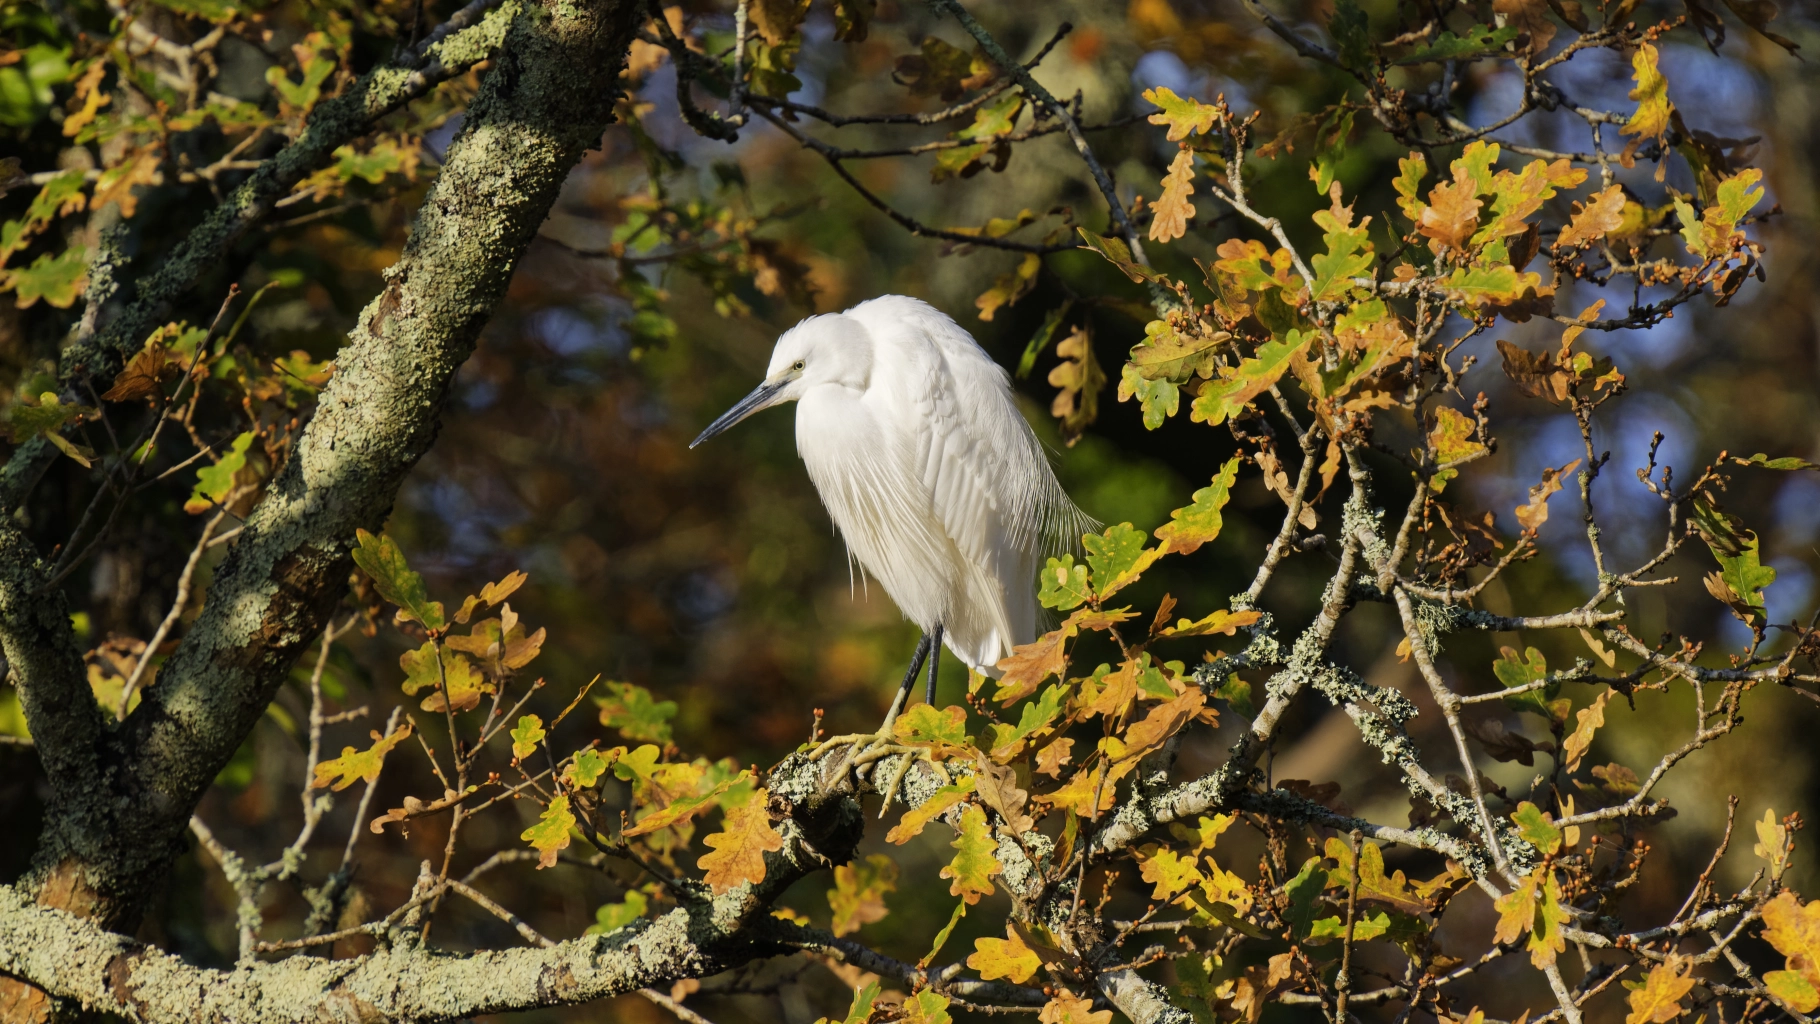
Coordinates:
915 444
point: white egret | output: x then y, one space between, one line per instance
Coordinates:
938 486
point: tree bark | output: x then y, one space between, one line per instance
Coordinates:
120 796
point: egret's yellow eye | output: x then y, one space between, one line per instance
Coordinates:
797 365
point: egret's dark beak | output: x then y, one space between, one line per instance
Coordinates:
762 397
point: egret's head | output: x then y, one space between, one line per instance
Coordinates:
831 349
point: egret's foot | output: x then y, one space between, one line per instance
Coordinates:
864 749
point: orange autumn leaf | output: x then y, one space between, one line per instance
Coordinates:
1173 209
740 847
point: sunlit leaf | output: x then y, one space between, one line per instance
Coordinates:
1773 844
1034 717
944 732
1006 958
1534 825
926 1007
681 809
1222 622
1184 117
550 835
340 773
1515 670
1651 118
1117 557
1532 514
1168 871
1534 908
526 735
1588 721
1227 395
1794 930
380 558
1453 442
1159 399
1598 217
739 849
1173 209
1348 255
917 818
1067 1008
215 482
588 766
58 280
1657 998
1063 585
1200 522
1365 927
975 860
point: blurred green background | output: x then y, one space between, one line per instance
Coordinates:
713 577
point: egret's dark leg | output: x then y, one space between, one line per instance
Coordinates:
935 661
903 691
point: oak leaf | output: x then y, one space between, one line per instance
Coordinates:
1657 998
340 773
1588 721
379 557
1173 209
1184 117
1170 872
858 896
1534 513
1201 521
526 735
1067 1008
975 860
1008 958
917 818
1597 217
739 849
550 835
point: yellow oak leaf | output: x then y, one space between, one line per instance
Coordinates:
1657 998
341 772
1004 958
1168 870
1588 722
1068 1008
1795 932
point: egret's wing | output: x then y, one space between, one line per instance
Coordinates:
987 477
